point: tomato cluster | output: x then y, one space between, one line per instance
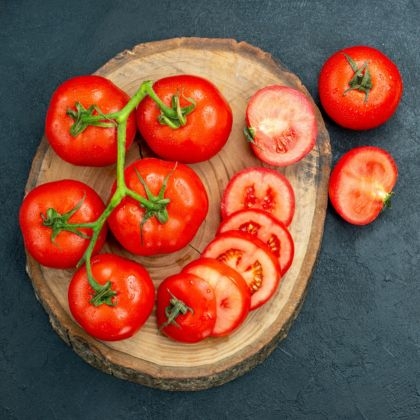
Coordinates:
156 205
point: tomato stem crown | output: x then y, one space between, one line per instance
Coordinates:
175 308
361 80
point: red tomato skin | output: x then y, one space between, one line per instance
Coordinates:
233 298
133 303
359 181
95 146
350 110
291 129
266 228
195 325
259 188
208 126
187 209
68 248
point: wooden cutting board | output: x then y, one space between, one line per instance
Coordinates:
238 70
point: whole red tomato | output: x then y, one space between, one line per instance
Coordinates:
131 306
94 145
360 87
186 308
207 126
141 232
44 210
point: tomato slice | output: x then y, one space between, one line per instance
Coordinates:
281 121
260 188
233 298
265 227
361 184
186 308
252 259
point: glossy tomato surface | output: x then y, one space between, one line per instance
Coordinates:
380 91
266 228
233 297
252 259
187 208
95 146
281 121
207 128
131 306
196 317
361 184
260 188
80 202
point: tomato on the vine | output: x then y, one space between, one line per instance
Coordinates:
48 218
73 140
186 308
260 188
360 87
280 125
179 188
252 259
130 307
233 297
207 124
361 184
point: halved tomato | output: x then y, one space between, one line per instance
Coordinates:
265 227
233 298
252 259
281 125
260 188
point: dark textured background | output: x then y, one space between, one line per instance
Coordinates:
353 352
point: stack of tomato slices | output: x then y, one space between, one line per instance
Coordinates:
241 268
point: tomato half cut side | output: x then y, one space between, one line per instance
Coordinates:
266 228
186 308
281 122
361 184
233 298
260 188
252 259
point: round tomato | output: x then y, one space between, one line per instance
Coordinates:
266 228
233 298
361 184
131 306
93 145
360 87
207 126
186 308
252 259
281 125
260 188
141 232
47 217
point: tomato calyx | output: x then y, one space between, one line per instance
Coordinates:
175 117
361 80
59 222
175 308
84 117
103 294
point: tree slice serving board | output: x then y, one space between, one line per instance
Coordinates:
238 70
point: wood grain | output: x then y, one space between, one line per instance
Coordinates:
238 70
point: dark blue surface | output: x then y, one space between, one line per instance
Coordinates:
354 351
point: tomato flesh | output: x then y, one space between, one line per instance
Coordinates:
260 188
283 125
252 259
266 228
233 298
361 182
